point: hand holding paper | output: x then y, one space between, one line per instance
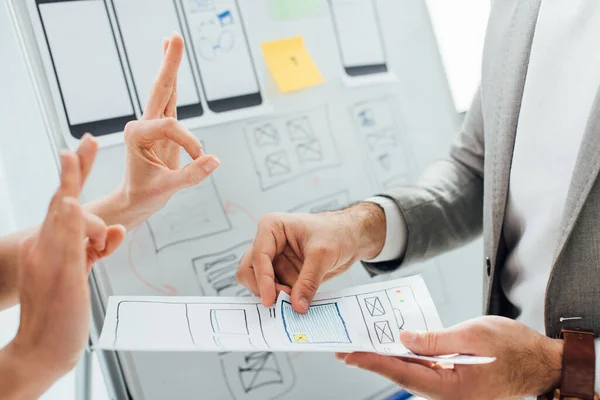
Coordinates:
527 363
367 318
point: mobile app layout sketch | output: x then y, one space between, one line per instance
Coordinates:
247 375
216 272
191 214
389 156
259 375
288 147
365 318
86 66
221 50
332 202
357 27
142 25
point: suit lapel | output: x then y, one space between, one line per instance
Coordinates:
585 173
509 75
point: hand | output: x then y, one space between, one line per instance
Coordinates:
153 172
53 285
527 363
102 241
297 252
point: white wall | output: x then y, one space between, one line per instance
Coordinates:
459 27
27 179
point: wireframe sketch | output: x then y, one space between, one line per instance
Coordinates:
374 306
335 201
383 330
260 375
229 322
191 214
389 155
337 321
199 6
288 147
323 323
387 312
278 164
216 272
266 135
209 47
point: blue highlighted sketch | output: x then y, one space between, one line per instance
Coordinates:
225 18
323 323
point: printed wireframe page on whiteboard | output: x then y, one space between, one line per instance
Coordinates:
366 318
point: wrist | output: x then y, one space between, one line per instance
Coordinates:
552 355
22 376
369 228
116 208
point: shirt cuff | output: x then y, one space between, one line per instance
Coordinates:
597 382
395 232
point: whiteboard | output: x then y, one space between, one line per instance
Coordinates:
317 149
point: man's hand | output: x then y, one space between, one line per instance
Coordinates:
527 363
297 252
153 173
53 287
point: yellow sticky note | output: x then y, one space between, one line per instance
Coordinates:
291 65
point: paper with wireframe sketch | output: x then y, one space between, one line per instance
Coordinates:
366 318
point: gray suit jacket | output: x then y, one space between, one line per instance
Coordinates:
459 198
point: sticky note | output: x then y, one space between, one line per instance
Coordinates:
291 65
292 9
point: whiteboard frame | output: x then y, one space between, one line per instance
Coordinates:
18 12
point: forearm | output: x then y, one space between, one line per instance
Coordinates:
21 377
116 209
9 249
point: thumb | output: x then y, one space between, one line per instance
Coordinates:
311 275
433 343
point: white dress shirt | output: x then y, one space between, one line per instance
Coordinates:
562 81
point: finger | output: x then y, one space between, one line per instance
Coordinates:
171 109
285 271
64 235
95 230
115 235
70 175
193 173
163 85
145 133
413 377
316 265
245 274
436 343
269 241
283 288
88 148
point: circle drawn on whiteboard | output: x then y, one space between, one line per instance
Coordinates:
209 50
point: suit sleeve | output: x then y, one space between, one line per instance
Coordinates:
444 210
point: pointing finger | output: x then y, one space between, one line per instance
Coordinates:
245 274
70 175
311 275
88 148
171 109
163 85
